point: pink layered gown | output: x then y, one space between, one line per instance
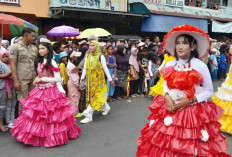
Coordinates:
47 118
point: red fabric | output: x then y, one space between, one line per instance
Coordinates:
183 136
10 19
184 80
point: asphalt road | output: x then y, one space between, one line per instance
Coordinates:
113 135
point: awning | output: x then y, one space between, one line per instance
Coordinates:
163 23
221 27
124 37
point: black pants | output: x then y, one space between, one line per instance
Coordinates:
141 81
119 92
134 84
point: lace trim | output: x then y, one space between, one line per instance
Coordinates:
46 85
183 66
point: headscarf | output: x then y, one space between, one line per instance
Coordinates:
120 50
133 59
96 55
2 52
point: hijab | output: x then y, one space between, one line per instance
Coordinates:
120 50
133 59
96 55
2 52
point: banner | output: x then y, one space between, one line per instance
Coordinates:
112 5
15 2
221 27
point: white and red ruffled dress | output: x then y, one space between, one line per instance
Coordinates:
47 119
193 131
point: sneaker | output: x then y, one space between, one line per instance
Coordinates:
86 120
78 115
133 96
10 125
106 112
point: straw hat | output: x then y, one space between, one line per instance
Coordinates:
203 42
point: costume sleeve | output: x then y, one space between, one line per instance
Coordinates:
84 70
56 77
162 65
149 68
103 63
165 88
7 85
207 84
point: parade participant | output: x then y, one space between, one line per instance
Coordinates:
223 98
111 64
11 95
158 88
94 71
74 82
47 118
184 122
22 58
4 73
63 70
134 72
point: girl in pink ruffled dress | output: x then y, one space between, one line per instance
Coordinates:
47 118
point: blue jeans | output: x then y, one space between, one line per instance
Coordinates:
214 74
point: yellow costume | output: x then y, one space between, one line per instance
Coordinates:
96 87
223 98
158 88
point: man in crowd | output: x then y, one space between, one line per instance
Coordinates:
22 58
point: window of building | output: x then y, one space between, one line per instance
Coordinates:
225 3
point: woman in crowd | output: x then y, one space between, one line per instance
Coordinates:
47 119
111 64
134 72
122 60
184 122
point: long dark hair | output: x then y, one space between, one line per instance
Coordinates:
191 40
40 59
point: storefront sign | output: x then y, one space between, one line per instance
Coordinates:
14 2
175 3
90 4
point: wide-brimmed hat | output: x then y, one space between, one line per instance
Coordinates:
75 54
203 42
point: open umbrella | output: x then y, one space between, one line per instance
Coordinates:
99 32
13 26
63 31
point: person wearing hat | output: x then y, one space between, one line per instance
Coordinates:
63 71
184 122
73 82
214 64
141 46
223 99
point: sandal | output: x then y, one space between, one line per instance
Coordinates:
119 98
3 128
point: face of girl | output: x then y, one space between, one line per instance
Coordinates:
43 51
92 47
110 50
183 48
64 59
5 58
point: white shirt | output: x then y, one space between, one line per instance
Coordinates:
201 67
56 78
105 69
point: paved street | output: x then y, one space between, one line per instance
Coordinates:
110 136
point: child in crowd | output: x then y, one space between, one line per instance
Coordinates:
111 64
4 73
74 82
63 71
143 62
214 64
134 72
47 118
11 100
222 64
